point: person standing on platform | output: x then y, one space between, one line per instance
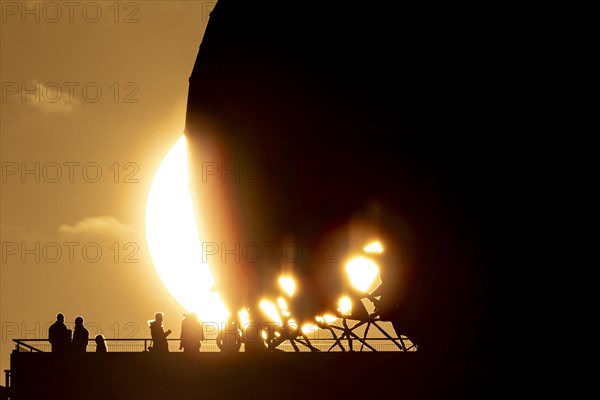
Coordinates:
81 336
159 336
191 334
59 335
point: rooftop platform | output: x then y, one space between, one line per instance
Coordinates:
383 370
212 375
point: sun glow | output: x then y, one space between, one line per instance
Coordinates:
345 305
288 284
373 248
174 242
271 311
327 318
308 328
362 273
244 317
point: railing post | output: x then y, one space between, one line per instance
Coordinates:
7 378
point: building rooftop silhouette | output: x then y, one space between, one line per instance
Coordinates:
128 371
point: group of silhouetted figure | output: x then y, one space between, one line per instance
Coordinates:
63 340
191 336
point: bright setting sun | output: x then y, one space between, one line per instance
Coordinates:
174 242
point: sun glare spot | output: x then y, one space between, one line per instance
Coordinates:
244 317
308 328
345 305
288 284
373 248
327 318
282 304
362 273
271 311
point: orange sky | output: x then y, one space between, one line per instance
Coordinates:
93 97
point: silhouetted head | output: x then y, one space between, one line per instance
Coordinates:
60 317
158 317
99 339
79 321
191 315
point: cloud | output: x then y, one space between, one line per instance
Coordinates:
54 98
48 97
96 225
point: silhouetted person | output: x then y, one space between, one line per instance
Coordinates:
100 344
191 333
229 339
159 336
253 341
81 336
59 335
252 334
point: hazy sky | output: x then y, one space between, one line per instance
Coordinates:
93 96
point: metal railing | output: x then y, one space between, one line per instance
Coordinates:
133 345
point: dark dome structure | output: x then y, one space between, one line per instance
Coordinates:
329 124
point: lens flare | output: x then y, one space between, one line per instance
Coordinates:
271 311
362 273
244 317
308 328
373 248
288 284
345 305
282 303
